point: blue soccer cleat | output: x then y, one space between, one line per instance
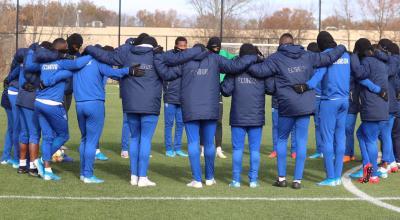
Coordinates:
67 159
316 156
327 182
181 153
92 179
382 174
13 163
234 184
81 177
170 153
39 165
51 176
338 181
254 184
101 156
357 175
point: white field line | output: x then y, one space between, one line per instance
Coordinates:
349 186
311 199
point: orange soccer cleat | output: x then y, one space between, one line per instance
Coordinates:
293 155
272 155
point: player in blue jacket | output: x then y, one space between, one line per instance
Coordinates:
292 67
394 50
247 115
173 110
141 97
48 106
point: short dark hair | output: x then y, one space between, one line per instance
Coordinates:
285 38
179 39
313 47
59 41
75 39
47 45
108 48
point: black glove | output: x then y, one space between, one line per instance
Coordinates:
42 86
5 84
158 49
136 71
384 95
300 88
29 87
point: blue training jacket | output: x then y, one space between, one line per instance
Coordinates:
89 82
172 89
335 79
200 89
141 95
248 100
55 73
372 107
292 65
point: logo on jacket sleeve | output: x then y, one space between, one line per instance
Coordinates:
52 66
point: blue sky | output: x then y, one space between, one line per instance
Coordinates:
183 8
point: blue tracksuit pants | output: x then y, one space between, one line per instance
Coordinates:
142 127
275 137
126 133
8 137
53 121
350 127
208 128
238 141
367 135
29 123
91 122
286 124
333 135
318 141
173 113
15 125
385 136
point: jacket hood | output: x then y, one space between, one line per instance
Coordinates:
382 56
141 50
291 51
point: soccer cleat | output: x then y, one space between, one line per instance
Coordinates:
33 172
92 179
327 182
382 174
181 153
145 182
4 162
234 184
367 171
296 185
134 180
315 156
346 159
254 184
211 182
357 175
195 184
13 163
39 165
170 153
393 167
100 156
293 155
51 176
220 153
67 159
81 177
125 154
272 155
278 183
22 170
338 181
374 180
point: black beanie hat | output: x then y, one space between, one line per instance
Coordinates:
130 40
139 39
214 42
247 49
385 43
362 45
149 40
313 47
325 40
394 49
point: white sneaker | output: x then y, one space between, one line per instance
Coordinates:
195 184
210 182
81 177
144 182
134 180
220 153
64 148
4 162
125 154
202 151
